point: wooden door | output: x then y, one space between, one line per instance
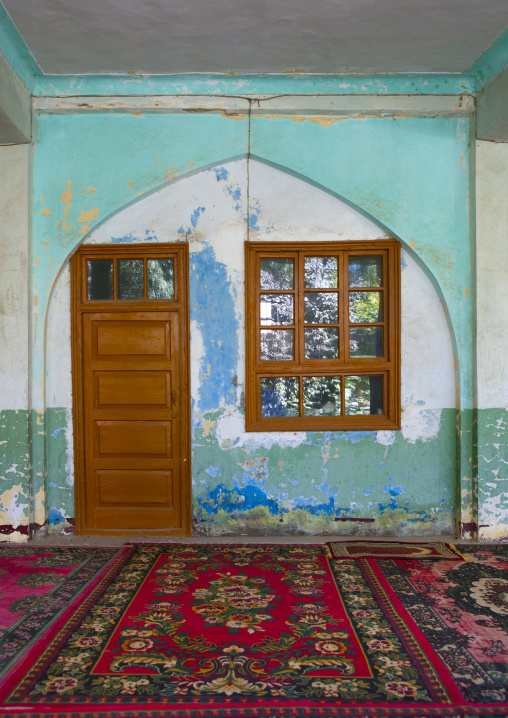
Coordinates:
131 381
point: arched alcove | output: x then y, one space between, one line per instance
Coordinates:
289 481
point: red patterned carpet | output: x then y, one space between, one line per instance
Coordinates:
234 631
38 585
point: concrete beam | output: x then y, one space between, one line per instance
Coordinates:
492 117
335 105
15 107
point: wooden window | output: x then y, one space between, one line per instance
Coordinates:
131 277
323 336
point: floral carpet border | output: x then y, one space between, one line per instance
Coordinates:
45 612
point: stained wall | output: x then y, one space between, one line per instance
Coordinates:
15 417
290 481
215 179
492 338
170 177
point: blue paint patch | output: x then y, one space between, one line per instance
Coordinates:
222 498
213 311
56 432
321 509
55 516
253 222
130 238
370 491
393 490
221 173
193 220
53 485
195 216
235 194
403 262
420 402
254 215
213 471
353 436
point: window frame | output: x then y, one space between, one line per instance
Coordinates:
388 366
139 252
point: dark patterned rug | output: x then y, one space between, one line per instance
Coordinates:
394 549
37 585
275 631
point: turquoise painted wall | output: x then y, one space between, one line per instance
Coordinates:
87 167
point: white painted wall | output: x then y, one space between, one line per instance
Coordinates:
210 208
492 337
492 273
14 490
13 277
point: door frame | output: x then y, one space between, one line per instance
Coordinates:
81 305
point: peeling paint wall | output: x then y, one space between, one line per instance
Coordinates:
14 413
184 176
303 482
492 338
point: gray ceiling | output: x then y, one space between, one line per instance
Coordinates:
257 36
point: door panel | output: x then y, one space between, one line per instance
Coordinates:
122 487
140 438
132 388
136 338
131 419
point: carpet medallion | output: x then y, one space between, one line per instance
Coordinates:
192 631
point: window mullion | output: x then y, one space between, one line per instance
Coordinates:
299 302
343 305
300 394
115 279
256 345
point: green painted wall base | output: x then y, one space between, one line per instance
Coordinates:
337 483
14 475
493 474
340 483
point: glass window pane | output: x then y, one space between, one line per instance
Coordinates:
321 343
160 279
277 273
365 307
276 309
279 396
99 278
277 345
364 395
321 308
321 395
366 342
130 278
321 272
365 271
